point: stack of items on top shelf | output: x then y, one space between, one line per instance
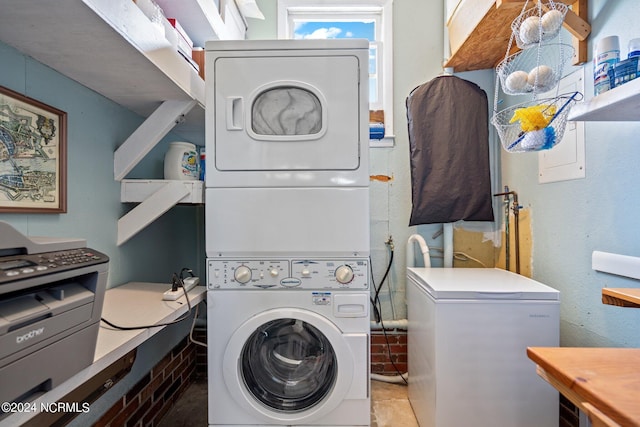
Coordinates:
535 69
609 71
172 30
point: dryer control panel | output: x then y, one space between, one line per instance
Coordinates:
288 274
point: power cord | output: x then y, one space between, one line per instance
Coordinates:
193 326
377 306
375 301
176 282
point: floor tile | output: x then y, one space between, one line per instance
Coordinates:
389 407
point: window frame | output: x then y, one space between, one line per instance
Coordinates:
381 11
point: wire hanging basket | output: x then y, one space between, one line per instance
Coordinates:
534 70
539 23
535 125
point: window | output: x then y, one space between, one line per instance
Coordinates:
368 19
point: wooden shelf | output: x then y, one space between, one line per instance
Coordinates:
621 297
479 32
618 104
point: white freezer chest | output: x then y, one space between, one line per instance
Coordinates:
468 334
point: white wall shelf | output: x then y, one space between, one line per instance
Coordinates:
618 104
111 47
203 21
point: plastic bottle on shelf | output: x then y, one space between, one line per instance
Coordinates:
202 163
181 161
634 48
606 55
627 70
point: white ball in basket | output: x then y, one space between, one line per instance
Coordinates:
551 21
530 30
545 76
517 81
533 140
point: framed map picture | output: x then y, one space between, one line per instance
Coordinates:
33 153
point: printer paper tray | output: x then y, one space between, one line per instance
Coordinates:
17 343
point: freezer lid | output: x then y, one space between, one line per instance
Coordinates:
479 283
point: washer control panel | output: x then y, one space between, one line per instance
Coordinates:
288 273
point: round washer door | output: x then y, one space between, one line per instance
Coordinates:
288 366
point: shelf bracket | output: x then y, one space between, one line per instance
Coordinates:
148 134
150 209
578 19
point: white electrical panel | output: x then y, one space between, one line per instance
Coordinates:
566 160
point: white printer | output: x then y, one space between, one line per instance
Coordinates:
51 295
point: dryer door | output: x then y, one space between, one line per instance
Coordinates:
289 366
287 113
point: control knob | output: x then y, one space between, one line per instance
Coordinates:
242 274
273 272
344 274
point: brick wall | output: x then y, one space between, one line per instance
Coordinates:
150 399
569 413
397 345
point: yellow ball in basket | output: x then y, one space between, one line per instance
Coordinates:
530 30
517 81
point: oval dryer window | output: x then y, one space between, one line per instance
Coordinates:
286 110
288 365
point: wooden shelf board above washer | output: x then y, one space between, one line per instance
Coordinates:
479 32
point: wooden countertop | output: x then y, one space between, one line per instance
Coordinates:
602 382
621 297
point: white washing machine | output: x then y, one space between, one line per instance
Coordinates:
288 342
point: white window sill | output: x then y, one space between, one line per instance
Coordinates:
387 141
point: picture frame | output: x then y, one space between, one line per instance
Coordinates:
33 155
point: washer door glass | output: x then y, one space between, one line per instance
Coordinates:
288 365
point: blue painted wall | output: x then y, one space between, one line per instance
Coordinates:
96 127
571 219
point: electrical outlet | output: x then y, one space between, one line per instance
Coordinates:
189 283
172 295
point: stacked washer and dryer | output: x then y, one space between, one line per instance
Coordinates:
287 232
